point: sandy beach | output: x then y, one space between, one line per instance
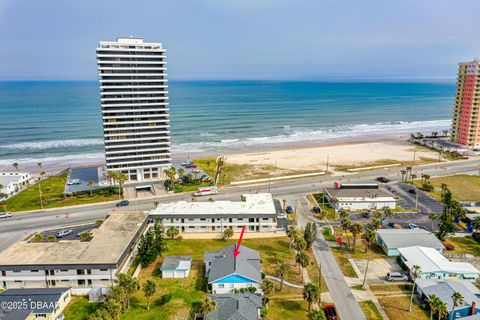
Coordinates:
340 155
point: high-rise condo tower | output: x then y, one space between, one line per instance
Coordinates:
465 121
133 92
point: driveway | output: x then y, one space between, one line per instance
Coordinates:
378 269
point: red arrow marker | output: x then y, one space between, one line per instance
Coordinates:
236 252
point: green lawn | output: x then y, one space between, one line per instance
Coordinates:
178 299
465 245
327 208
370 310
80 308
463 187
52 196
343 263
191 187
397 308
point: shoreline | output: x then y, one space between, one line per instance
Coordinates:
76 161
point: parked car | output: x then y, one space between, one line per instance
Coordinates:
289 209
123 203
187 163
396 276
383 180
330 312
412 226
63 233
413 191
394 225
5 215
205 191
191 166
366 214
72 182
196 171
317 209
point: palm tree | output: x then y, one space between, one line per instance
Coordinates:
346 223
292 233
149 288
220 164
156 203
387 213
90 185
432 301
457 299
413 176
42 174
15 165
475 223
416 270
433 216
403 172
311 294
343 213
111 177
334 202
370 237
283 269
129 284
172 232
302 259
442 310
356 229
315 315
267 287
121 178
207 306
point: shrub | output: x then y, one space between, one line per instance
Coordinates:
165 299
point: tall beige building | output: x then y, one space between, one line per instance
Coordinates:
133 92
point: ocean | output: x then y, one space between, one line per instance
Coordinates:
61 120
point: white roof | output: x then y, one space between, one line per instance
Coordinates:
402 238
430 260
259 203
7 177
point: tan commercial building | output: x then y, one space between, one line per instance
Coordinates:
74 263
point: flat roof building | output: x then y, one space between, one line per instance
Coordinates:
256 211
74 263
176 266
392 239
434 265
135 112
359 197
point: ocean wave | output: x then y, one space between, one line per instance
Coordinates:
74 158
381 129
52 144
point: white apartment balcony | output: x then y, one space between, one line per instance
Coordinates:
139 112
164 146
138 49
136 128
126 134
140 161
134 139
150 120
120 157
133 116
129 62
131 67
108 93
111 148
130 74
134 98
123 55
132 87
133 80
166 164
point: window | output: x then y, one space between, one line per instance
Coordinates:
231 285
64 270
103 269
33 270
221 286
104 279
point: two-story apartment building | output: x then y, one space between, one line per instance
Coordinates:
255 211
74 263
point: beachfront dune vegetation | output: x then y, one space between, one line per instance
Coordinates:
52 195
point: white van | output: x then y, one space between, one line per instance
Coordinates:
205 191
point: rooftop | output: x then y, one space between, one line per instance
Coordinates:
45 301
109 242
254 204
444 289
223 263
177 263
362 191
401 238
7 177
239 306
430 260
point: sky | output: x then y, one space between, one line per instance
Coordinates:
245 39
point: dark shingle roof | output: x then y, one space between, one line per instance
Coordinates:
223 263
238 306
41 300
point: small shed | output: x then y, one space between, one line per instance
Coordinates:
176 267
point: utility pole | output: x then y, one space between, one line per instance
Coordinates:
366 268
328 159
320 282
269 179
416 198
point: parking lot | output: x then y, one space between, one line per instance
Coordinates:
378 269
76 231
407 199
84 175
194 171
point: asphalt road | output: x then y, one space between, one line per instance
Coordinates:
23 224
